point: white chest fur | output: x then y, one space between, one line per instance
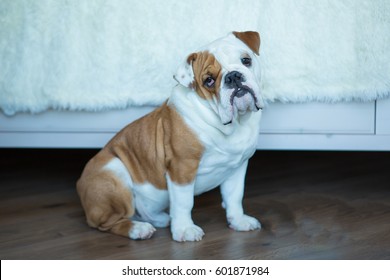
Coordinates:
227 147
218 162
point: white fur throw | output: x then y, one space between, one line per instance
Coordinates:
99 54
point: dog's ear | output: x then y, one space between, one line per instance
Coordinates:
251 39
185 74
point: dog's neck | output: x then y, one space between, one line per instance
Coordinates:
183 97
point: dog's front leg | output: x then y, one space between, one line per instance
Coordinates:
181 198
232 191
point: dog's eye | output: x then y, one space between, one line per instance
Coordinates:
209 82
247 61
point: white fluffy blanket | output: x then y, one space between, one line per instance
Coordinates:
99 54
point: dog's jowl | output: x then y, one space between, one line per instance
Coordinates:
199 139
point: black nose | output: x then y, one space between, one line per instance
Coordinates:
234 79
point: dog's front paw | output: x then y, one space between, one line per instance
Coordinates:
188 233
141 230
244 223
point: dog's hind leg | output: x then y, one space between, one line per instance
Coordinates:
109 206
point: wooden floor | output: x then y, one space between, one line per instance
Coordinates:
312 205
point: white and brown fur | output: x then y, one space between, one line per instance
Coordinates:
199 139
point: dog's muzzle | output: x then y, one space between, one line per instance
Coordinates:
234 80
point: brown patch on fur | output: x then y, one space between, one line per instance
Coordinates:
106 201
251 39
191 58
150 147
204 65
159 142
183 150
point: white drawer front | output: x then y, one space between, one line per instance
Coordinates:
72 121
339 118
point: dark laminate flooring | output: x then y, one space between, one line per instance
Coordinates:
312 205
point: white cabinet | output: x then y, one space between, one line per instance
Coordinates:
383 117
72 121
312 126
319 118
309 126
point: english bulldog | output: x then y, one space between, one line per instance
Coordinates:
200 138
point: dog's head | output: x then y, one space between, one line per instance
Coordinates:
227 74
